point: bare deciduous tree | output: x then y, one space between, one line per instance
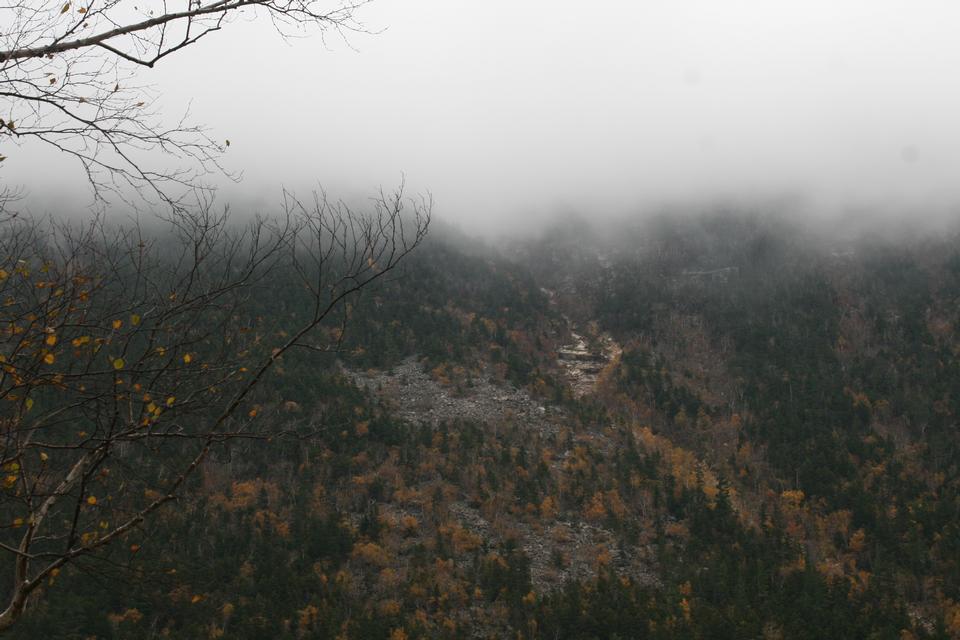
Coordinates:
126 356
68 80
128 353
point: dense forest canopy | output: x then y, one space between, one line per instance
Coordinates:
712 426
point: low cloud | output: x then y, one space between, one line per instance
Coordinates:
508 112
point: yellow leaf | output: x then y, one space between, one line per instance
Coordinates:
66 8
82 340
151 408
49 358
171 400
118 364
253 412
135 319
91 500
196 599
18 522
51 340
29 403
117 324
187 358
44 457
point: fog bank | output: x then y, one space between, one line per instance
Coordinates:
508 112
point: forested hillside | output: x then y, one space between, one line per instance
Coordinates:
718 426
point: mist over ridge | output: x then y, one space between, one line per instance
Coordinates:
510 114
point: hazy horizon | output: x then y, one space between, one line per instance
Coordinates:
509 113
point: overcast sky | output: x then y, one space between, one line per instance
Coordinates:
513 109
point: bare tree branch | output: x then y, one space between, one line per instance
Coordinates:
79 94
126 357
